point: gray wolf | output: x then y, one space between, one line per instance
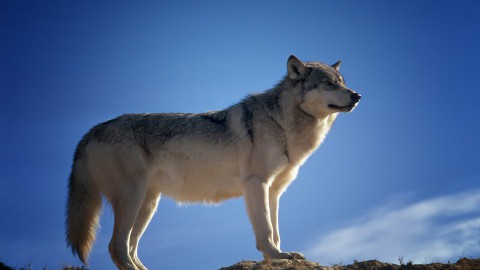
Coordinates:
252 149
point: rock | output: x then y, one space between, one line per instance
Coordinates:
462 264
282 264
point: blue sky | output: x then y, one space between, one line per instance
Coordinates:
398 177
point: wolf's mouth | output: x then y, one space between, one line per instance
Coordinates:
347 108
333 106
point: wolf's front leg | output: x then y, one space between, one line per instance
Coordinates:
274 198
257 200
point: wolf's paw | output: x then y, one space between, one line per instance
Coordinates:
280 255
297 255
289 256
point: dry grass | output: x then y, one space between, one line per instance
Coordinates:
462 264
30 267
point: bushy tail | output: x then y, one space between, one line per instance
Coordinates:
83 209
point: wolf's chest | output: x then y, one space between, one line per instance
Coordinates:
302 143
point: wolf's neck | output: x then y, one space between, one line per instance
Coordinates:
304 132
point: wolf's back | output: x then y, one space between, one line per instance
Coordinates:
84 205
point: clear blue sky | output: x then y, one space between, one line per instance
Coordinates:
399 176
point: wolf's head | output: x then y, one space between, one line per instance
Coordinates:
323 88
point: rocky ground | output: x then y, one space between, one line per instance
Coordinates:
462 264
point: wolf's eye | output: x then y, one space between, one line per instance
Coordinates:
329 83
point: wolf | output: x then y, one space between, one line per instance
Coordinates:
253 149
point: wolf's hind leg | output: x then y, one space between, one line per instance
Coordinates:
126 209
144 216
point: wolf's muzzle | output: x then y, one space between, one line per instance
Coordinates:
355 97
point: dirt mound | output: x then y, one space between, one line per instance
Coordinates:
462 264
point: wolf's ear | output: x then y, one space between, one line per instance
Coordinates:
296 69
336 66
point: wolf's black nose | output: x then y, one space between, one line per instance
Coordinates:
355 97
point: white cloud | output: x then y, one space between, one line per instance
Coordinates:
442 228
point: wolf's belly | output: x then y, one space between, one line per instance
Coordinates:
199 178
